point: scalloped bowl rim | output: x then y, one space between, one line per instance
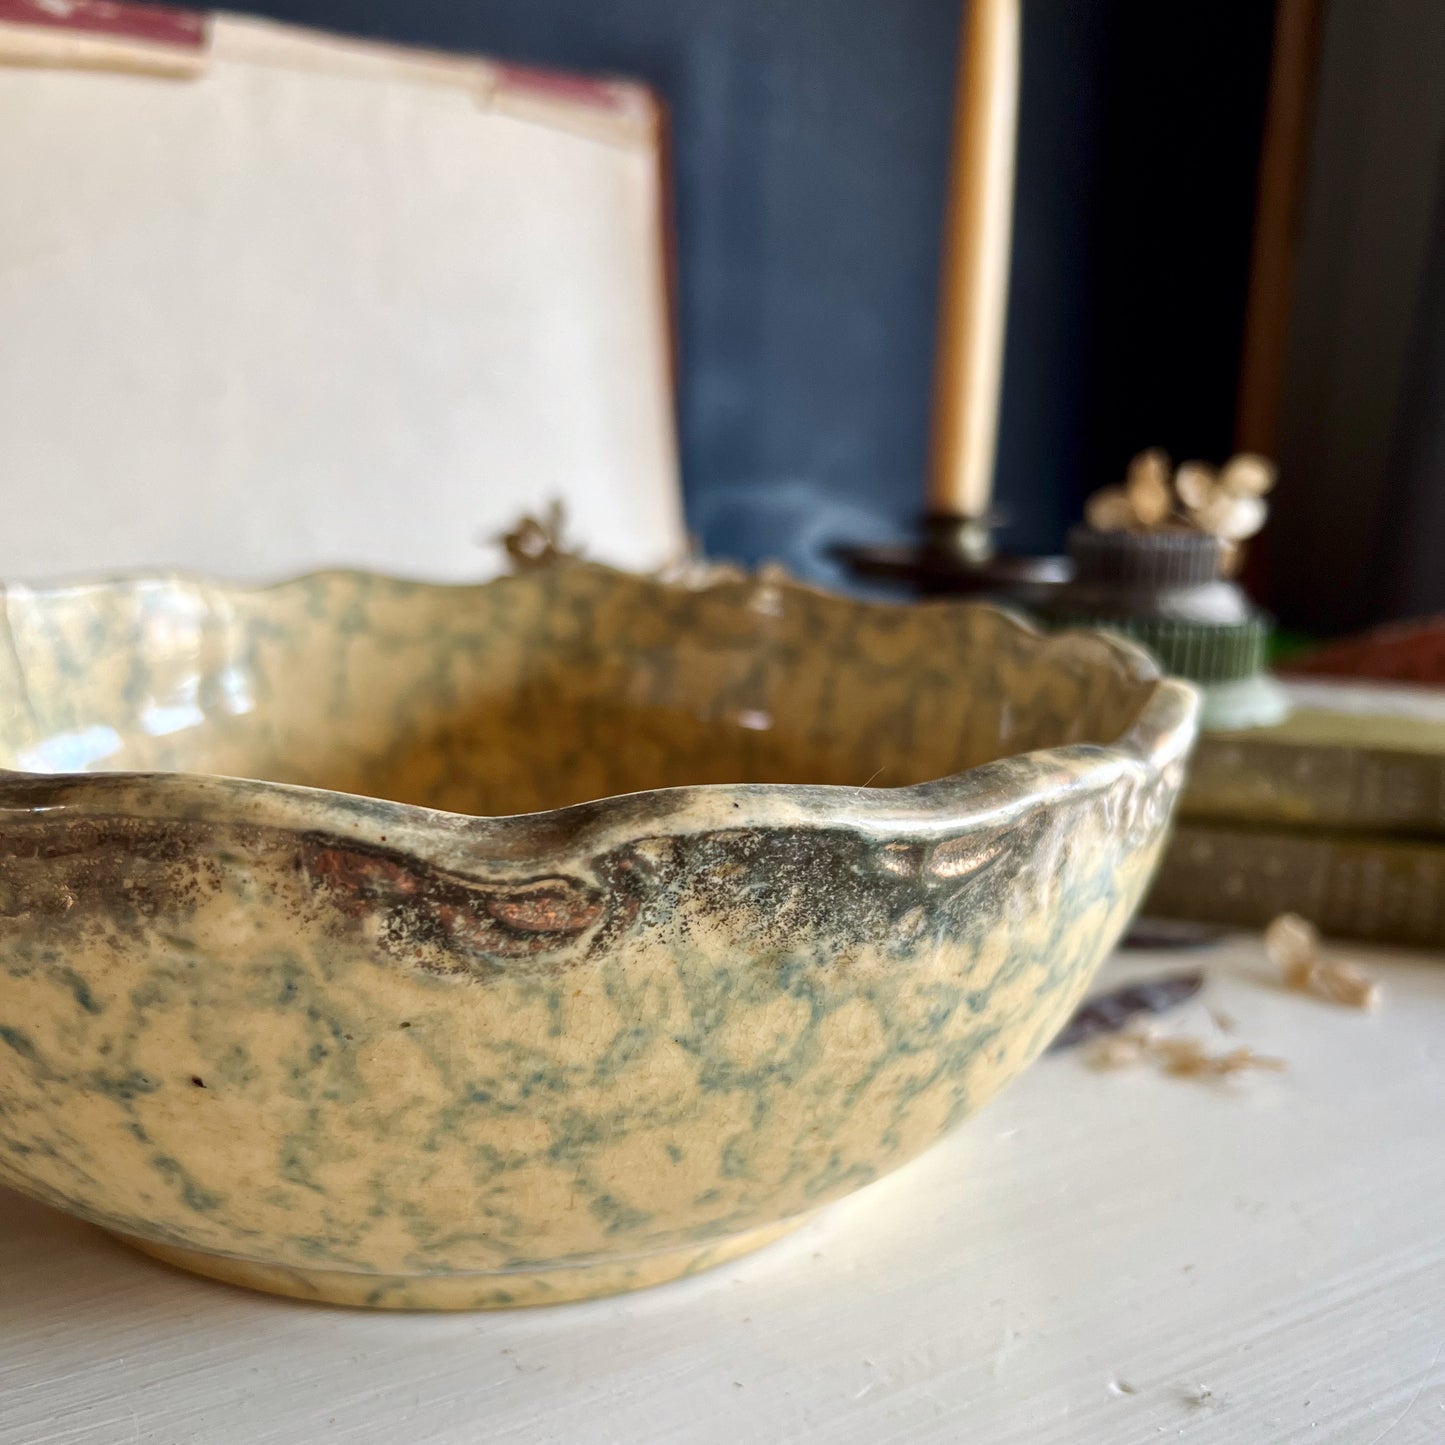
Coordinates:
986 795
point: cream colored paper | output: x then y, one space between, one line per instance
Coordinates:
328 303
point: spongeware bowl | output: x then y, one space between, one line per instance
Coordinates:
450 947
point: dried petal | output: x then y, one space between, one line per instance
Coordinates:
1348 984
1231 518
1151 465
1248 475
1292 944
1196 483
1189 1059
1291 936
537 542
1110 511
1291 939
1238 1060
1117 1052
1180 1055
1147 487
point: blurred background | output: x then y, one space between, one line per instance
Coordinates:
810 149
1228 232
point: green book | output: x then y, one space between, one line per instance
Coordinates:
1350 885
1358 757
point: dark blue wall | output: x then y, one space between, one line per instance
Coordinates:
810 152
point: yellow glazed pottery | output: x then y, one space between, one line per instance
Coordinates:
689 908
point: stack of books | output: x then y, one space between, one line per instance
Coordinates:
1337 813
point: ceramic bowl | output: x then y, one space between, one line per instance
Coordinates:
586 931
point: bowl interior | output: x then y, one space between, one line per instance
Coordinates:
536 691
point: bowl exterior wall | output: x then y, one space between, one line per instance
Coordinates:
325 1052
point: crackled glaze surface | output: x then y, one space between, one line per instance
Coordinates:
355 1049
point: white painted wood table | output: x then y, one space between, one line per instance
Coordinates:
1108 1258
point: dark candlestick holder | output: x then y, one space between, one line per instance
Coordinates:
955 556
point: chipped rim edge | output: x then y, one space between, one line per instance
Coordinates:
988 795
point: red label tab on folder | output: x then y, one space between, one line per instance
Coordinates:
150 24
